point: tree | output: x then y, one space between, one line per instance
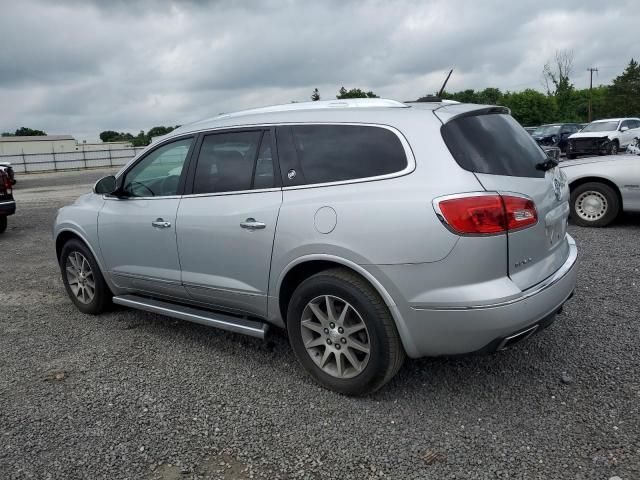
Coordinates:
530 107
624 93
109 136
315 96
556 78
159 131
29 132
355 93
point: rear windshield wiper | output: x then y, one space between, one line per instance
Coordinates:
548 164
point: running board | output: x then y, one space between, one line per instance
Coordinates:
212 319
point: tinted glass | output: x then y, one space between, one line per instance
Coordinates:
494 144
601 127
264 175
158 173
225 162
331 153
635 123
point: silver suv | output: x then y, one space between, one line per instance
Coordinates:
369 229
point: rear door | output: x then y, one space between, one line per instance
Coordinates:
504 158
227 222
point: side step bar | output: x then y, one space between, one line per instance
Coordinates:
213 319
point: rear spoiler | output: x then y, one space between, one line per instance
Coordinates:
446 113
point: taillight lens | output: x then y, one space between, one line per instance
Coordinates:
6 182
487 214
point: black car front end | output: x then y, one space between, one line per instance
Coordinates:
7 203
588 146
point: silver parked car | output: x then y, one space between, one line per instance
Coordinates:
369 229
602 187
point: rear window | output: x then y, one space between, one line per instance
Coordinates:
495 144
332 153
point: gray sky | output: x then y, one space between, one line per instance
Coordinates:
80 66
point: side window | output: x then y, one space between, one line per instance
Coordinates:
625 123
264 176
158 173
225 162
635 124
331 153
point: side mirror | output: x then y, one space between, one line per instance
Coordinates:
106 185
624 129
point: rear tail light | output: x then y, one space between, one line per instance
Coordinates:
484 214
6 182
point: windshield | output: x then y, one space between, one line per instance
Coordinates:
601 127
547 130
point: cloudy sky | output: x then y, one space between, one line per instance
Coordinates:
80 66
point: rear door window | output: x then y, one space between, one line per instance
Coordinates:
331 153
226 162
494 144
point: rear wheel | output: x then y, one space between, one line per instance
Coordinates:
594 204
82 278
3 224
343 334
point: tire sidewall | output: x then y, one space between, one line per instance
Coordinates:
607 192
3 223
319 285
101 291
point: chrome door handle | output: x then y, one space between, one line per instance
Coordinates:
160 223
251 224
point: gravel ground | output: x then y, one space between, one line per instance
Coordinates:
141 396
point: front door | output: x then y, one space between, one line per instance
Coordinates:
226 225
137 228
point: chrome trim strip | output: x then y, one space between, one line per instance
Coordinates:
523 336
530 292
144 278
190 314
8 202
222 290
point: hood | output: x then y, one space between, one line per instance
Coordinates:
591 134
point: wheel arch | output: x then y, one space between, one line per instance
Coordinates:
591 179
302 268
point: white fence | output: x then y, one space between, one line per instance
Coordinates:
49 162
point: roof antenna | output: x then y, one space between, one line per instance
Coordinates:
444 84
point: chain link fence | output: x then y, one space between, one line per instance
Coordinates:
54 161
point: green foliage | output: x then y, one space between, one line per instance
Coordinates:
24 132
563 102
139 140
531 107
624 93
315 96
355 93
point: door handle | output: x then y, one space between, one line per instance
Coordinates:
251 224
160 223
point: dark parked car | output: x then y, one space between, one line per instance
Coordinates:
555 135
7 204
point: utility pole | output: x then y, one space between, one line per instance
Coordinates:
591 70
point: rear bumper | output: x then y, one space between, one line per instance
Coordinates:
452 330
7 207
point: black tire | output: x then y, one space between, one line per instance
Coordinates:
102 295
571 156
3 223
386 352
612 204
614 148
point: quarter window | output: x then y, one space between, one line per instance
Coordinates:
331 153
158 173
226 161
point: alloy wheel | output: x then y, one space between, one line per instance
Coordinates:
335 336
80 277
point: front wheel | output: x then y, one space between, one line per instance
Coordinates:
613 148
342 333
571 156
3 223
594 204
82 278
